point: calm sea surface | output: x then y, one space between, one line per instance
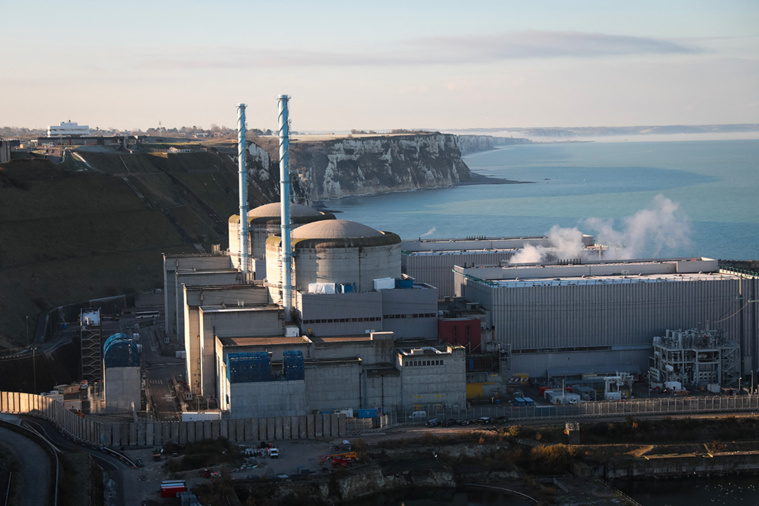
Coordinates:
668 198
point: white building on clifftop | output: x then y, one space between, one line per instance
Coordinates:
68 129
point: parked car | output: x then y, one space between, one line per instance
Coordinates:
483 420
450 422
434 422
274 453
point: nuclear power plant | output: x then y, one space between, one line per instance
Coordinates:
309 313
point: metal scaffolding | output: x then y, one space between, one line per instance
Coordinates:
92 360
695 358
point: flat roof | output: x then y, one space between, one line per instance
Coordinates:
238 309
449 252
610 280
342 339
421 351
262 341
257 284
189 272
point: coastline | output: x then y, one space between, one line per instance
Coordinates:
483 179
476 179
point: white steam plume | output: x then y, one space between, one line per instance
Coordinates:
564 243
649 231
428 233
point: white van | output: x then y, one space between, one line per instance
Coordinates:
418 415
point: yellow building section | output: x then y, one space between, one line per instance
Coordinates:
473 390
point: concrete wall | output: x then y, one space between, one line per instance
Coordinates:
199 278
339 314
382 389
122 389
430 378
410 313
196 296
375 350
333 385
359 265
232 322
192 346
269 398
173 298
149 434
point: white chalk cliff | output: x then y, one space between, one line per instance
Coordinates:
371 165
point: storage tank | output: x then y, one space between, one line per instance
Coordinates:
264 221
335 251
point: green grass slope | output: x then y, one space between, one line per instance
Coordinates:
68 236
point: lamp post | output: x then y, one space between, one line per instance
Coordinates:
27 331
34 368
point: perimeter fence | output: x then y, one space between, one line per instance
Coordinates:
664 406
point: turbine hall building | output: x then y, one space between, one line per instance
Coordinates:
600 316
432 260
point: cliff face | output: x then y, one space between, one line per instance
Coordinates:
365 166
475 143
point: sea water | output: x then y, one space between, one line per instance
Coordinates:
694 198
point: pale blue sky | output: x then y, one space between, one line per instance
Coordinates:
380 65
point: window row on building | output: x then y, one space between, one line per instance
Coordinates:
415 315
342 320
422 363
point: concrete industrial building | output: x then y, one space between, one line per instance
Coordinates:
299 375
191 270
432 260
121 374
601 316
356 323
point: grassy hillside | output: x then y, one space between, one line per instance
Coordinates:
67 235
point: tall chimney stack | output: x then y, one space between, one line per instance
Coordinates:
242 166
284 192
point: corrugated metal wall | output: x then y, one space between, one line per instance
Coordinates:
435 270
535 318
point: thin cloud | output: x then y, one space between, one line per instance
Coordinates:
430 51
536 44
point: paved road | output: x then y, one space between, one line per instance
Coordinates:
114 471
160 372
37 475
